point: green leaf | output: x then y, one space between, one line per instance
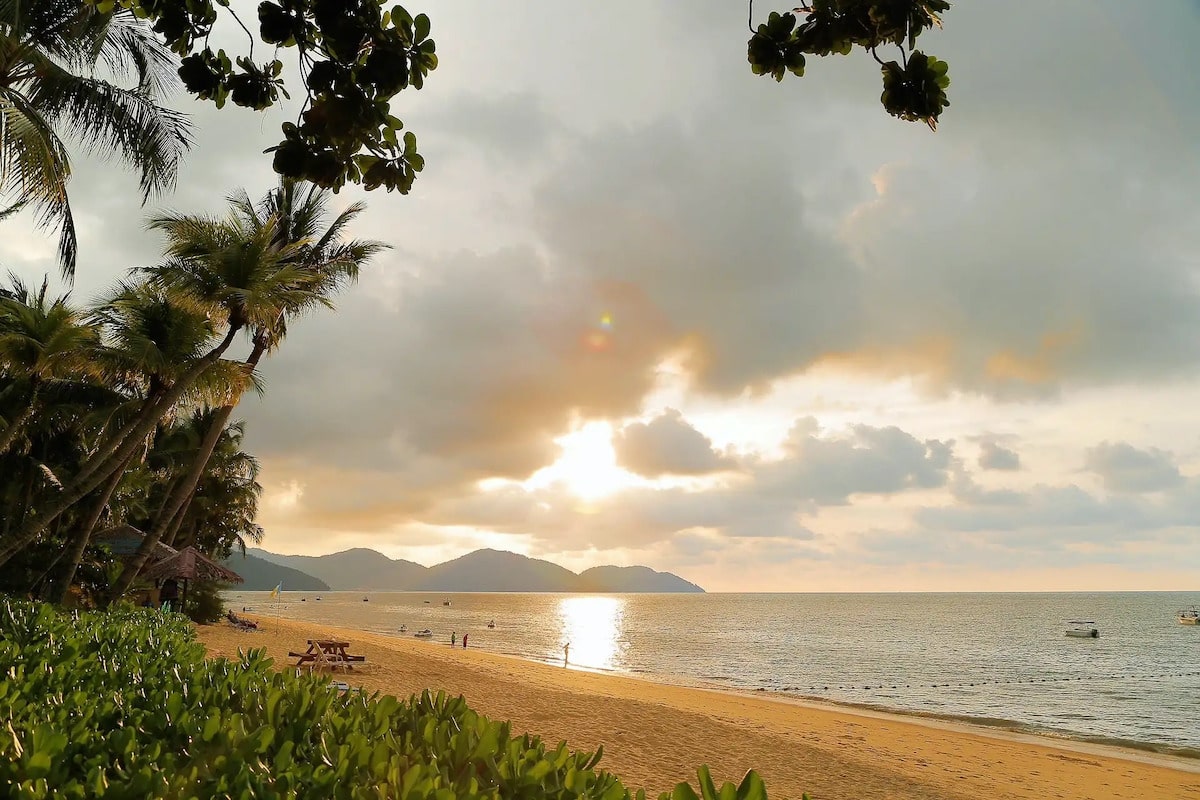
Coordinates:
752 787
684 791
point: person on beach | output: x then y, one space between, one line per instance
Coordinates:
453 635
464 641
566 652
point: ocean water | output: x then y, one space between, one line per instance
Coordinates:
989 658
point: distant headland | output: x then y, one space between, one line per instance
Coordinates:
480 571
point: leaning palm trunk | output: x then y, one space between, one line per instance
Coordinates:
173 531
183 489
9 434
60 590
174 507
104 452
81 488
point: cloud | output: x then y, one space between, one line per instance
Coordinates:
764 499
869 460
667 445
1124 468
747 233
994 456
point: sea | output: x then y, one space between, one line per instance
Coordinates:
1000 659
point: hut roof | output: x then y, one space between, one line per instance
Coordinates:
124 540
190 564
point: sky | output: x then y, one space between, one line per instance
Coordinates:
645 307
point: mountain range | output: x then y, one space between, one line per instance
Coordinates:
480 571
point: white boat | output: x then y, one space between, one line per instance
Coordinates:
1189 616
425 634
1082 629
404 629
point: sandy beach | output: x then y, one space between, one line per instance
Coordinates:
655 735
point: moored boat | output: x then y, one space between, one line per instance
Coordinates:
1082 629
425 634
1189 616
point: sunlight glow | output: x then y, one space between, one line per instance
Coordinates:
587 466
593 628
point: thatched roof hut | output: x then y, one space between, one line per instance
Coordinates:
190 564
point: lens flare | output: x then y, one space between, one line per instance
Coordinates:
599 338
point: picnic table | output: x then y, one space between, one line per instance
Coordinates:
326 654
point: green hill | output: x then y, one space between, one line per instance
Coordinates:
262 575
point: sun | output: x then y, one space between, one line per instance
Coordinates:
588 464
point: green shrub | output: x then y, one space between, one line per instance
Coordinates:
204 605
124 705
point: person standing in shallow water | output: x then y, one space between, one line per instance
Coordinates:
566 653
464 641
453 636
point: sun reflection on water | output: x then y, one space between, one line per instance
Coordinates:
592 626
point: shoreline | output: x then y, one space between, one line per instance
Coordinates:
981 724
656 734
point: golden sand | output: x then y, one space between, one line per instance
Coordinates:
655 735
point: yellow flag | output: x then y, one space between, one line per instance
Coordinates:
275 591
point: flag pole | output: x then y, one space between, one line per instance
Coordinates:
275 604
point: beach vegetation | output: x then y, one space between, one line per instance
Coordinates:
125 704
118 416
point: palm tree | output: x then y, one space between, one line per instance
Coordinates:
296 213
50 53
225 504
41 341
157 344
237 271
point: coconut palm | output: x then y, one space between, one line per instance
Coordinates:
230 269
41 341
170 347
296 213
50 54
225 500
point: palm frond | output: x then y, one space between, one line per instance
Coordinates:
110 120
34 169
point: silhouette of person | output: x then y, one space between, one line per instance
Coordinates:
566 652
453 637
464 641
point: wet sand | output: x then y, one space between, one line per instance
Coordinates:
655 735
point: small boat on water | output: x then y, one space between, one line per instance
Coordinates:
404 629
365 600
1082 629
492 624
445 602
1189 616
425 634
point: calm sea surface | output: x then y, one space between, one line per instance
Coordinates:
987 657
